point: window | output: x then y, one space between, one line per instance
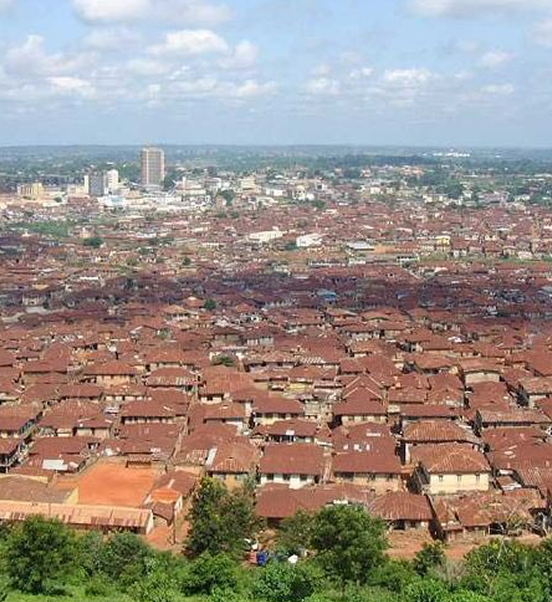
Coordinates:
441 477
477 478
286 477
459 478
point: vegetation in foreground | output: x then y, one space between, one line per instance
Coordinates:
44 560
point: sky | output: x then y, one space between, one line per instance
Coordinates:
446 73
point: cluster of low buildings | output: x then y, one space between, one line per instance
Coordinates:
396 356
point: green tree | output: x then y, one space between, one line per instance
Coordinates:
319 204
467 596
228 195
283 582
431 556
93 241
295 532
426 590
349 543
157 586
124 558
393 575
221 521
211 572
224 360
207 526
40 553
210 305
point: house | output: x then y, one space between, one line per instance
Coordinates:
113 373
478 515
356 410
230 413
533 388
277 502
434 432
478 370
449 468
486 418
18 421
268 409
232 462
12 451
64 419
374 470
172 378
295 465
290 431
147 412
403 511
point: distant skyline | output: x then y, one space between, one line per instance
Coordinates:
364 72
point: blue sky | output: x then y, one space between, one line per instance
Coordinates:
406 72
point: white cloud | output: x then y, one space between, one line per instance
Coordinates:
361 73
200 86
31 59
463 76
190 42
147 67
5 4
542 33
116 38
494 59
323 86
252 88
172 11
322 70
474 8
467 46
72 85
408 78
498 89
243 56
112 10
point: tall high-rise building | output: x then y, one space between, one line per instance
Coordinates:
97 184
31 191
112 180
152 161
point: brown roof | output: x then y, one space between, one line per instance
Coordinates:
232 458
436 431
299 458
279 502
450 458
366 462
401 505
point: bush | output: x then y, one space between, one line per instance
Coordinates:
426 590
431 556
94 242
124 558
349 543
393 575
41 555
98 586
226 595
156 587
284 582
211 572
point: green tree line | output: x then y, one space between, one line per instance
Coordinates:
339 552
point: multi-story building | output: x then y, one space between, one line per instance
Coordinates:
152 161
31 191
97 184
112 177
